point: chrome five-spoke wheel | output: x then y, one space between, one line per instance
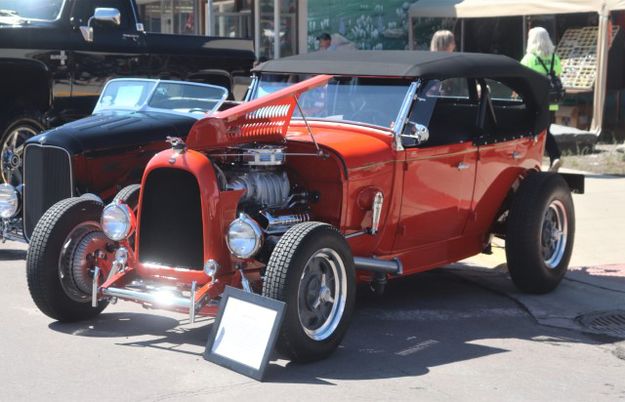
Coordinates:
12 153
554 234
321 294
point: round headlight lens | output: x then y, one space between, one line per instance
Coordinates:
244 237
9 201
117 221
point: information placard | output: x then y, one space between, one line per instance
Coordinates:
245 332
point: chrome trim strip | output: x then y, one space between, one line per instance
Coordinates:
423 158
71 179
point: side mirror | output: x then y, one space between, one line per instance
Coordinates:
418 132
102 14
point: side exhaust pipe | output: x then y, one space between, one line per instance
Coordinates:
393 267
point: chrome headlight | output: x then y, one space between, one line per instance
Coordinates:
9 201
118 221
244 237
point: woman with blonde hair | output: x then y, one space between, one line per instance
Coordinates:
540 57
443 41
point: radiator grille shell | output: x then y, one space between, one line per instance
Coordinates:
170 225
48 178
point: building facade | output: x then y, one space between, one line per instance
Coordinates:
364 24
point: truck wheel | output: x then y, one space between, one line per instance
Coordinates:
312 270
540 233
60 260
129 195
19 129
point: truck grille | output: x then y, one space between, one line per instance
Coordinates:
170 226
47 180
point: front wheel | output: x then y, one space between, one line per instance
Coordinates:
540 232
312 270
65 247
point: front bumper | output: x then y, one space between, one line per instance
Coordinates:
124 281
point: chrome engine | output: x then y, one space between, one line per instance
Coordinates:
269 196
269 189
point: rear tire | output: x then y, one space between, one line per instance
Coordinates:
312 270
53 281
18 129
540 233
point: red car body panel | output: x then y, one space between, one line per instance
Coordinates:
440 201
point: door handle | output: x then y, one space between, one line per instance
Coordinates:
516 155
463 166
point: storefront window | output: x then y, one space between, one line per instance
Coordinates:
288 28
233 18
169 16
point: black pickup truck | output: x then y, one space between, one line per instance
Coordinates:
56 56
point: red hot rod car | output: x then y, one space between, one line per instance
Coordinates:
342 168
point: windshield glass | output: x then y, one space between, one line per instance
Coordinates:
176 96
31 9
374 101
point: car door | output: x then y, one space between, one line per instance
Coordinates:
507 147
439 174
114 52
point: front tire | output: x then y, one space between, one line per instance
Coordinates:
540 233
129 195
59 260
312 270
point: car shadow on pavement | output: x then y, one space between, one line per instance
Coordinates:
425 321
12 255
111 325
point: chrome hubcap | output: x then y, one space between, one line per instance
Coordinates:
322 294
82 247
554 234
12 153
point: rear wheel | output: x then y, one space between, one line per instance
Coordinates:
312 270
64 249
19 129
540 232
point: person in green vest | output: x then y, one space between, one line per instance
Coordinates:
539 57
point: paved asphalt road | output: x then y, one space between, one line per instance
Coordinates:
435 336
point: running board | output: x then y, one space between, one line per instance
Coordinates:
393 267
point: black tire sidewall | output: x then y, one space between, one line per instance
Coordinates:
523 239
129 195
294 342
42 260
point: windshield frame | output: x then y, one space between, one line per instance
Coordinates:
394 131
144 106
57 18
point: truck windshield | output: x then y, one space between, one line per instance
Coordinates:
373 101
31 9
140 94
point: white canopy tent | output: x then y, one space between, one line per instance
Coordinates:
511 8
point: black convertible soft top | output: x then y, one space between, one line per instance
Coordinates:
398 63
421 64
